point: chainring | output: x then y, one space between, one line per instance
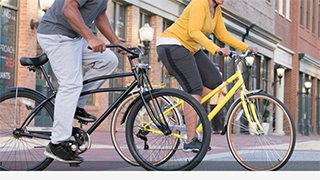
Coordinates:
81 142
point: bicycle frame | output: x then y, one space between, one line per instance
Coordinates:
140 80
234 89
239 85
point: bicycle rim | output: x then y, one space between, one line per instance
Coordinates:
270 150
160 152
118 129
19 152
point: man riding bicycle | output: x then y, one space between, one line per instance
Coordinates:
64 35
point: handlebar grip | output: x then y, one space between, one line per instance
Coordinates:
124 48
220 53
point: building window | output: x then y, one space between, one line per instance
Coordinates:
305 107
269 2
280 8
118 22
319 21
313 15
301 12
166 24
258 75
8 51
264 74
10 2
288 9
318 109
308 14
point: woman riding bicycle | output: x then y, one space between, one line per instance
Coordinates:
178 49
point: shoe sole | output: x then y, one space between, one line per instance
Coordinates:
194 150
190 150
84 119
52 156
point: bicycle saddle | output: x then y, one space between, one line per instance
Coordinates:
34 61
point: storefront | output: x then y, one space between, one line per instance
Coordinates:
8 57
308 95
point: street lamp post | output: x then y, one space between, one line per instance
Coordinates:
44 6
146 36
307 86
280 72
249 61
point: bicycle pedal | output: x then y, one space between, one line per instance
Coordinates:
83 122
74 164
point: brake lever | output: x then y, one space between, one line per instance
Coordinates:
230 55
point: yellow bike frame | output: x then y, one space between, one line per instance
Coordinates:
238 85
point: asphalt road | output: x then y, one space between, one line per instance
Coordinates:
103 157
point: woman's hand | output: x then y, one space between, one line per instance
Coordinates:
254 49
224 51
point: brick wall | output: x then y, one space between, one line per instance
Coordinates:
283 27
27 42
133 15
257 11
292 76
156 24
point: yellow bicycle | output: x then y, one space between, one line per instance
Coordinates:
260 130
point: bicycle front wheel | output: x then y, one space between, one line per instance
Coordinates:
273 146
147 143
18 149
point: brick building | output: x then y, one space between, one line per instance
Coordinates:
297 23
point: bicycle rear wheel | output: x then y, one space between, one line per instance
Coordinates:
18 151
118 127
150 147
270 150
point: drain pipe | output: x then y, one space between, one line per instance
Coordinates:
247 32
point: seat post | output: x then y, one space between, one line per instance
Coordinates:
45 74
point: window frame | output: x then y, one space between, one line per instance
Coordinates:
15 60
115 8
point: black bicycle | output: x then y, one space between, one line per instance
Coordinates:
26 118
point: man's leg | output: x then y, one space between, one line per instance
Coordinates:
65 56
99 64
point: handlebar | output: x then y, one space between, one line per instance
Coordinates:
129 50
234 53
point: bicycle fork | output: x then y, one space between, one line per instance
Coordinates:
251 115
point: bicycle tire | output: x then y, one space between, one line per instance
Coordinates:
118 129
270 150
19 152
165 152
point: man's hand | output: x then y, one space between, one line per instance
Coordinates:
124 45
96 44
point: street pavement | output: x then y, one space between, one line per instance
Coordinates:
103 157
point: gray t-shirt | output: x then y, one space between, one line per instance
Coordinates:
54 22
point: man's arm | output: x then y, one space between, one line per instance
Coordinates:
103 24
71 11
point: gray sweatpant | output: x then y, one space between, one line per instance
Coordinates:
66 56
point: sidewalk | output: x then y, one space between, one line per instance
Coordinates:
103 157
